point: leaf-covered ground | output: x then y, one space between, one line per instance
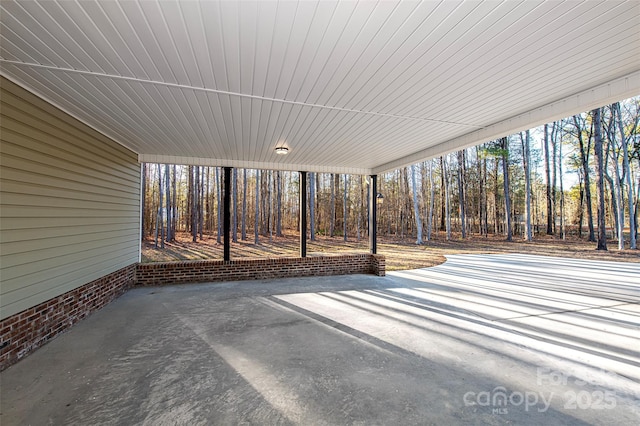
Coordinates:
400 254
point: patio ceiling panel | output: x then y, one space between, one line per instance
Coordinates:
349 87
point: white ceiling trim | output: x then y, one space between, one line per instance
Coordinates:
224 92
212 162
621 88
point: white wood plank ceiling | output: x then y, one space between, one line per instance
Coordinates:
349 87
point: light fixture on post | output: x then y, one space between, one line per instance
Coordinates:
282 150
379 199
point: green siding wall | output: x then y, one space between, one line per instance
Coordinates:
69 202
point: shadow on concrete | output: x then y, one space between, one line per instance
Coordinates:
478 340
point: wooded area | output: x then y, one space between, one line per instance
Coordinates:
576 176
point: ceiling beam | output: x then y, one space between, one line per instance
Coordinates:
240 164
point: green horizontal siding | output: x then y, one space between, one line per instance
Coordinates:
69 202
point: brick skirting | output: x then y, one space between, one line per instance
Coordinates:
152 274
22 333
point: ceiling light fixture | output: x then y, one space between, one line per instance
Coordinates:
282 150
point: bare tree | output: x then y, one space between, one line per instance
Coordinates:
196 201
174 204
244 205
627 173
483 201
167 180
278 204
461 193
507 195
160 221
612 152
332 217
416 205
312 206
219 203
526 159
584 159
256 223
234 195
344 207
447 197
562 224
432 201
602 231
547 173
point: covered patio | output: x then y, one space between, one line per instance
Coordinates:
92 89
493 339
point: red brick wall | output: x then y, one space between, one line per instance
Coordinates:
24 332
150 274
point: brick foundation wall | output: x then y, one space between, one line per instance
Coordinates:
22 333
377 265
151 274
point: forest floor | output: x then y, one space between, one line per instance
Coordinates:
400 254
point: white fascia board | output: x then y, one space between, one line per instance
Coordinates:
213 162
613 91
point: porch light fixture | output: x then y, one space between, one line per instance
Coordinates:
282 150
379 199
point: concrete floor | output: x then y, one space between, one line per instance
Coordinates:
482 339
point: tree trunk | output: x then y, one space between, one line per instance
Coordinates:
507 195
278 204
256 224
332 217
617 203
445 172
496 224
264 226
209 202
526 158
234 201
627 173
416 205
174 205
196 200
219 205
201 204
584 159
432 196
442 195
562 225
188 219
612 187
602 231
167 181
344 208
160 207
244 205
461 193
581 209
547 173
484 199
554 174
